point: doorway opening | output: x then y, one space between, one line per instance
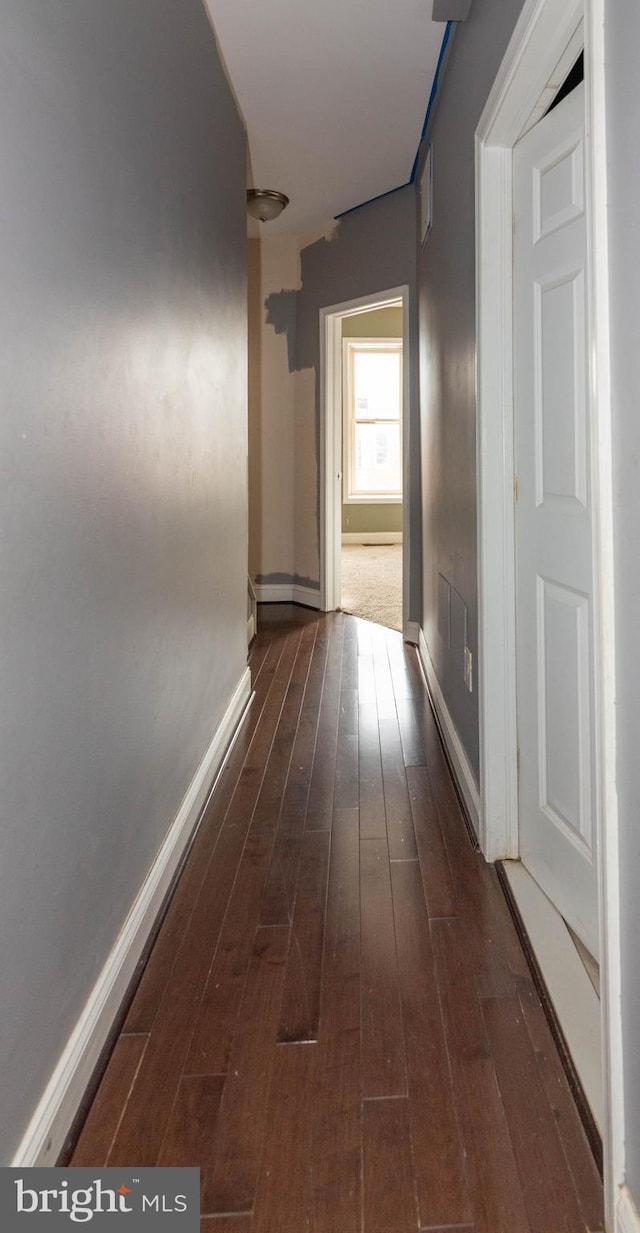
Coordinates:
364 522
371 517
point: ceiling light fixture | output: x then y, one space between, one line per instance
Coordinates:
265 203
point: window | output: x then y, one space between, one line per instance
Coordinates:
372 419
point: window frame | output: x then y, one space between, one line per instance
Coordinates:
350 346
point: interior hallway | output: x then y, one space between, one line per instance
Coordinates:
337 1022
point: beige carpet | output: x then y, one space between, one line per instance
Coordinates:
372 583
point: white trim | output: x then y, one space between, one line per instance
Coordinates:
372 537
545 38
496 563
627 1215
253 604
349 418
574 998
330 319
368 498
526 80
608 836
330 452
406 456
287 593
460 763
45 1135
412 632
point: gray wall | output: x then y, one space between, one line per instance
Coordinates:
123 500
447 361
622 33
374 249
367 518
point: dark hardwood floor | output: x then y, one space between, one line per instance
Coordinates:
337 1023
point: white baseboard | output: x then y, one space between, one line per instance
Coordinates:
572 994
251 629
287 593
461 766
372 537
411 632
44 1138
627 1215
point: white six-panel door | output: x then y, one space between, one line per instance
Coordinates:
554 555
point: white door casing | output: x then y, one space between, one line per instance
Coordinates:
331 446
553 521
527 78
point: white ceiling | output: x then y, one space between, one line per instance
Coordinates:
334 95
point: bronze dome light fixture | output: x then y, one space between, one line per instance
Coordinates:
265 203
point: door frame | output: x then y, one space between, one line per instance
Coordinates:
546 40
331 443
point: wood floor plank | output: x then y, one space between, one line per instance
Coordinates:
279 894
385 695
296 793
336 1150
384 1071
347 774
157 973
438 1152
550 1202
400 829
109 1103
192 1121
347 778
576 1152
238 788
447 1228
300 1015
365 666
373 823
389 1197
349 679
229 1172
494 1184
218 1012
323 776
405 670
347 785
348 718
499 957
216 1021
413 750
300 769
437 877
278 899
142 1128
315 682
489 945
283 1198
269 802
